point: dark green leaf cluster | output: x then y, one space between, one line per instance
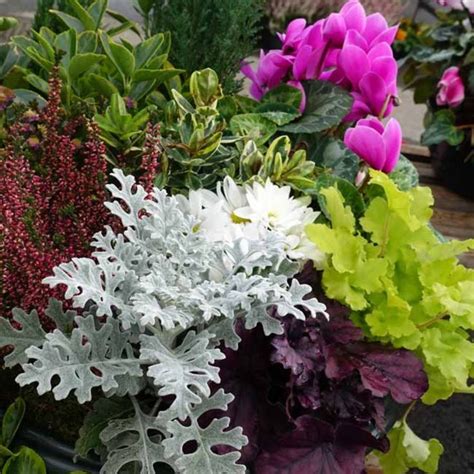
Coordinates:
207 33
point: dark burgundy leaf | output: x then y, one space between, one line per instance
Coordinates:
246 374
383 370
315 447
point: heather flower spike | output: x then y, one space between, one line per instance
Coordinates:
451 88
377 145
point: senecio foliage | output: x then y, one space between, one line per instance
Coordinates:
404 285
157 303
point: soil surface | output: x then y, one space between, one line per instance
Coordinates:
452 422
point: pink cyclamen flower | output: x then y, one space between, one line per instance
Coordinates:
451 88
378 145
271 70
373 77
458 4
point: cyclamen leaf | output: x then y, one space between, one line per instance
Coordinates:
30 334
408 451
203 458
80 365
133 441
184 372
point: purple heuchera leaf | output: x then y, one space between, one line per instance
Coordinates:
382 370
316 447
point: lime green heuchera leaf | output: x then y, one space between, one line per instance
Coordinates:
408 451
406 285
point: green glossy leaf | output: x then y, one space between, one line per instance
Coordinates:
326 106
26 461
7 22
121 57
27 97
83 15
96 421
332 154
101 85
69 20
254 127
442 128
82 63
350 193
38 83
283 94
11 421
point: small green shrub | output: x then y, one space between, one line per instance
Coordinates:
207 33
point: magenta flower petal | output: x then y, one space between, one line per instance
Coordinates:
334 29
248 71
386 68
301 63
376 24
355 63
355 16
451 88
354 38
393 144
359 109
374 91
299 86
256 92
388 36
372 122
368 144
380 50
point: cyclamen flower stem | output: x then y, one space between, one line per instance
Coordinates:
385 106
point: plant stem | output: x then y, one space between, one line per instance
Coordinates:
429 323
409 409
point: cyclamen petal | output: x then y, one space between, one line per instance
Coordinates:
368 144
355 63
378 145
393 144
451 88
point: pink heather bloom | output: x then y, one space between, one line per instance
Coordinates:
458 4
378 145
349 49
451 88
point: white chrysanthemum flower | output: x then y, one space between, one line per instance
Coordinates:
251 211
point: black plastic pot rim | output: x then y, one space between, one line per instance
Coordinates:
58 456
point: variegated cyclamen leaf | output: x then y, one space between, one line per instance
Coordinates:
183 372
133 442
203 459
30 333
88 358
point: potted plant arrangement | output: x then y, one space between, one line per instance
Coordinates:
439 67
217 283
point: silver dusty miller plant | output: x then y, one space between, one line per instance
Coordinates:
157 301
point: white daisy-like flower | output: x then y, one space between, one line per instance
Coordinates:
250 211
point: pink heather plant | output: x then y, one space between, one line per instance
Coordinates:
451 88
348 48
52 174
